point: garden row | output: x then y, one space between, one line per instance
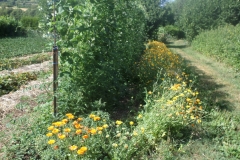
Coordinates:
13 47
222 44
9 64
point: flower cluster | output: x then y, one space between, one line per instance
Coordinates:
72 127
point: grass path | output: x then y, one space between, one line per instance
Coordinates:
218 78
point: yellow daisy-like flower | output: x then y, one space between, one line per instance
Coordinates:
65 120
96 118
73 147
79 119
77 126
149 92
131 123
79 131
135 133
67 130
70 116
50 128
192 117
55 131
82 150
49 134
51 141
59 124
105 126
93 131
99 128
119 122
91 115
61 136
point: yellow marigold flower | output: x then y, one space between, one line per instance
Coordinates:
99 128
55 131
82 150
79 119
188 100
58 124
96 118
61 136
119 122
99 132
65 120
149 92
93 131
67 130
77 126
49 134
73 147
131 123
75 122
50 128
79 131
91 115
51 141
200 108
85 136
142 129
105 126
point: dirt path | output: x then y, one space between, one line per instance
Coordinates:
222 80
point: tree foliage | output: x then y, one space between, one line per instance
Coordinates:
100 42
195 16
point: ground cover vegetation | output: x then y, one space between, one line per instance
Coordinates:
13 47
119 99
9 64
222 44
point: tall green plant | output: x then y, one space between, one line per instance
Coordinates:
100 41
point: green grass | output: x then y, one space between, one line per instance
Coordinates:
13 47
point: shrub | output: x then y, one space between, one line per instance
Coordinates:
10 28
221 43
174 31
29 22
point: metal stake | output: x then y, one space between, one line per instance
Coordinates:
55 65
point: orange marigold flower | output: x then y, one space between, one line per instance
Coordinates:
73 147
85 136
